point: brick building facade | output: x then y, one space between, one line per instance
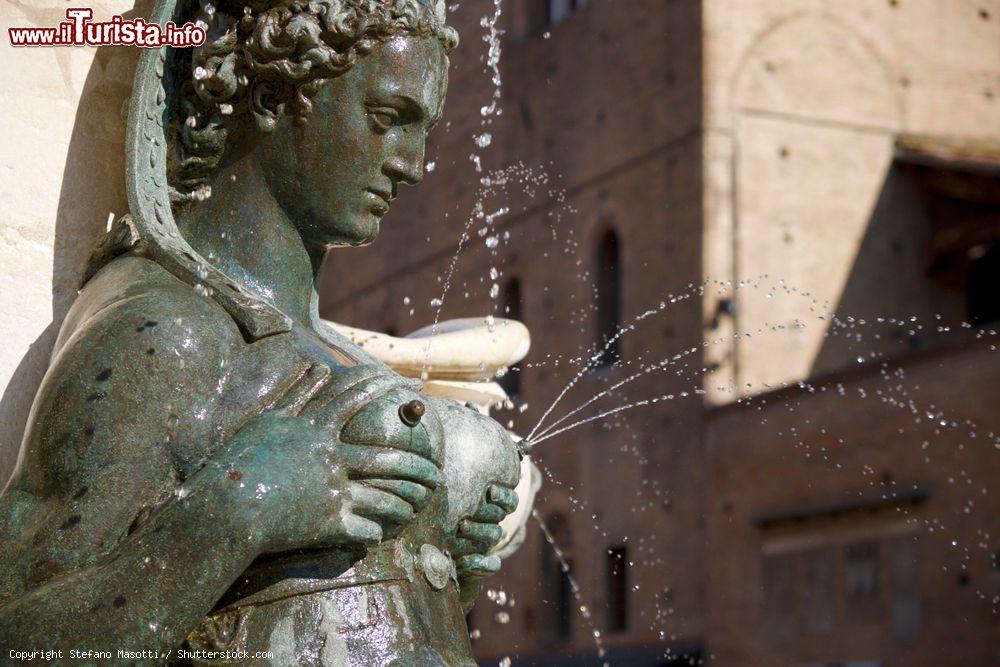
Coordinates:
816 157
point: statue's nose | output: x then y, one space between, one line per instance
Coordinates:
405 170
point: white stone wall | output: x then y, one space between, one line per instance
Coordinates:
803 102
61 176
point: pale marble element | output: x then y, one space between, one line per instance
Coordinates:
461 349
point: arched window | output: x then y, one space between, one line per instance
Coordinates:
559 10
511 309
607 277
616 589
556 587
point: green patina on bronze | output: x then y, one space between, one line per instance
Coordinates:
206 464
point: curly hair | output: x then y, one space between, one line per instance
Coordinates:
272 60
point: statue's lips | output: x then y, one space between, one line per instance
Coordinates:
381 201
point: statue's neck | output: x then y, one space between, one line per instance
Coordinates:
243 232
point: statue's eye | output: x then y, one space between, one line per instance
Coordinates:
383 118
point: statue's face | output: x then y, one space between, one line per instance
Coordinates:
335 176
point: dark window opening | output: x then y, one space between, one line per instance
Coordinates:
983 282
564 602
960 187
616 589
559 11
818 596
511 382
608 307
778 573
861 572
903 565
534 17
556 609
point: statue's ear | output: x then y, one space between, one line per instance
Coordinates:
264 105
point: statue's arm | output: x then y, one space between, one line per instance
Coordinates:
105 548
151 590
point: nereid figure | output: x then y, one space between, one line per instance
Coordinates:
206 464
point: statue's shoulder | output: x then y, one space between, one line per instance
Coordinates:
133 294
137 346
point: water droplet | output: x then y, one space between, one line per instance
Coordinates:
202 193
492 242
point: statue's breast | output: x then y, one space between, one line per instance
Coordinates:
478 452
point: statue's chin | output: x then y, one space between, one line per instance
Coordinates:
367 230
362 233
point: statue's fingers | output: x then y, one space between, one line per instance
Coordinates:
364 462
347 402
380 506
343 400
489 513
502 496
341 380
459 546
411 492
478 565
359 529
483 534
303 389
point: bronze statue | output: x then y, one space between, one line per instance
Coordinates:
206 465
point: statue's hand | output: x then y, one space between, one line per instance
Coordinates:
305 486
476 535
395 456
